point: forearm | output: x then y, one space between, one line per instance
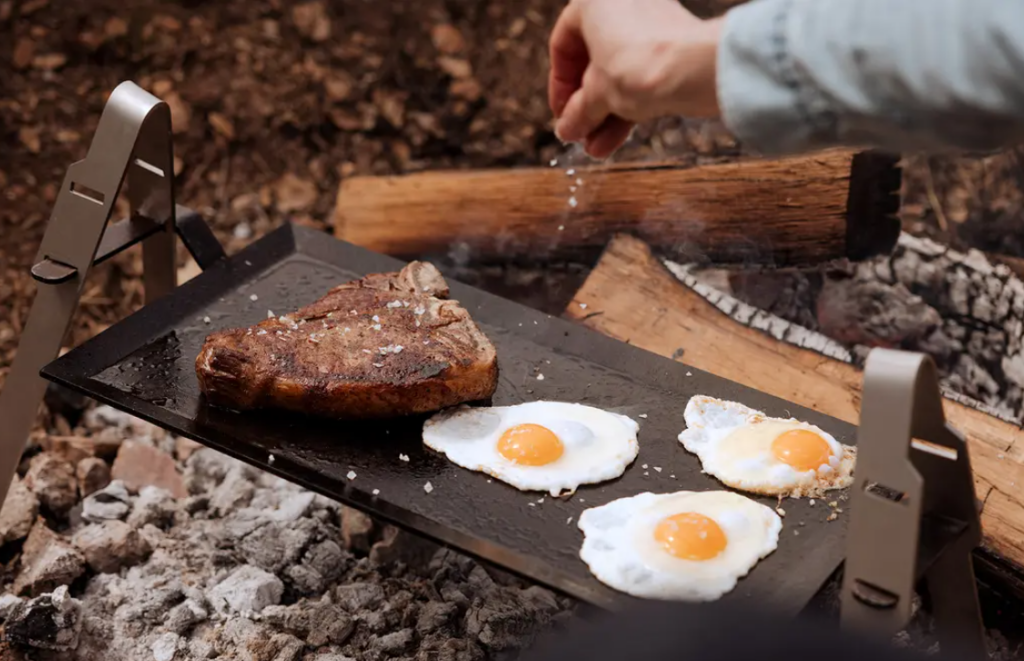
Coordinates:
902 75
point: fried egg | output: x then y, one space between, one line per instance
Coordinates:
683 546
537 446
747 450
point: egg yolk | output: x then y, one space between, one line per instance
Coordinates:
690 536
802 449
530 445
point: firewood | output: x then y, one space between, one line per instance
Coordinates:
631 296
783 213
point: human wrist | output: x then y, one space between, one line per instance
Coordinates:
697 65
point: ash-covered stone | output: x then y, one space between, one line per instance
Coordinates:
398 545
357 597
235 492
18 513
8 603
50 622
109 503
93 474
166 647
393 644
155 507
186 615
319 623
48 561
322 564
434 616
274 545
53 481
248 589
111 546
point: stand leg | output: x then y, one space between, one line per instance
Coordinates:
133 138
954 597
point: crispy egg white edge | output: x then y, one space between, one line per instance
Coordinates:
537 478
699 438
696 583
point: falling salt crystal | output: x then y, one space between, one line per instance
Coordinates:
376 318
376 492
261 332
646 473
375 327
367 351
488 481
553 162
573 202
541 500
780 511
672 476
426 341
561 228
570 172
643 415
419 310
582 501
572 189
568 521
403 457
378 365
689 374
248 263
206 320
254 297
532 504
351 475
393 304
347 329
428 487
270 459
583 306
796 533
540 377
644 466
657 468
579 182
811 503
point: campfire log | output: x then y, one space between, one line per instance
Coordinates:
631 296
790 212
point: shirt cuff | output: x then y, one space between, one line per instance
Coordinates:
765 100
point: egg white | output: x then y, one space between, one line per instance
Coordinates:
597 445
750 465
620 549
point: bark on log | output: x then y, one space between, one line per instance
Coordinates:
781 213
631 296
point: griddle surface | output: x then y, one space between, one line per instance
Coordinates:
145 365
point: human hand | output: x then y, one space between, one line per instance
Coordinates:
615 63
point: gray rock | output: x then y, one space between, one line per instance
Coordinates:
235 492
435 615
50 622
165 648
331 657
110 503
328 624
247 590
53 481
293 507
356 597
48 561
18 513
154 506
111 545
274 546
452 649
185 615
93 474
394 643
321 565
8 602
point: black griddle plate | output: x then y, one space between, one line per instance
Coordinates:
145 365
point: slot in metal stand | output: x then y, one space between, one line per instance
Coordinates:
133 140
914 516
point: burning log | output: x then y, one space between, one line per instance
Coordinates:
782 213
631 296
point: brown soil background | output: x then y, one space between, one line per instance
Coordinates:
275 102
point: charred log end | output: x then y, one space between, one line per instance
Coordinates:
872 208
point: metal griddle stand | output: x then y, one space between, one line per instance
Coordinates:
927 533
914 515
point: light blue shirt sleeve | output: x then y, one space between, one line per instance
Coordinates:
899 75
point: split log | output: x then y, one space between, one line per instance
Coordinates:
631 296
790 212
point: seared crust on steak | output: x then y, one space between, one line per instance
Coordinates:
383 346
